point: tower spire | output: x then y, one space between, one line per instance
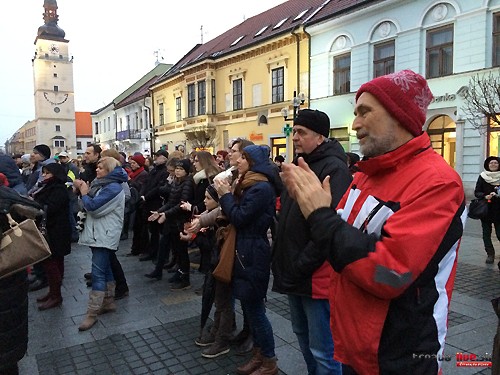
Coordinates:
50 30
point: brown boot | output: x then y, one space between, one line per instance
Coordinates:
491 255
268 367
44 298
96 299
53 298
52 302
252 365
108 305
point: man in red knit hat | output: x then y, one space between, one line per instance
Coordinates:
394 236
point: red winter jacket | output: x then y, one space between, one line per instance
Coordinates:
395 260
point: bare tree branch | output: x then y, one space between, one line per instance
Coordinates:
482 100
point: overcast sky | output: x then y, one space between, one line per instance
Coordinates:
113 44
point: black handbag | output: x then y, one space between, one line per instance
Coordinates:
478 209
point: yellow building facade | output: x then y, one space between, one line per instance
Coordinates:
241 94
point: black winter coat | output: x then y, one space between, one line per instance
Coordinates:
139 181
55 196
180 191
89 173
150 190
482 189
13 319
199 193
298 266
13 294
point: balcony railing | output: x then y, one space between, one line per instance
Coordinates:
129 134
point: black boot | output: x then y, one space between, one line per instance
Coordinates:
183 282
491 255
156 274
176 277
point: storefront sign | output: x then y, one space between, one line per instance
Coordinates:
256 136
450 97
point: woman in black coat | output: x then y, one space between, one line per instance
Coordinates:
174 217
53 196
487 187
13 292
206 169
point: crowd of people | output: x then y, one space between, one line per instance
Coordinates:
365 293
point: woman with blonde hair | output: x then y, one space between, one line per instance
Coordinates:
104 203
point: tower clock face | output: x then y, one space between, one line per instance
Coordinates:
54 49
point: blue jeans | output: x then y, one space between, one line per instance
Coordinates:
101 268
311 324
261 329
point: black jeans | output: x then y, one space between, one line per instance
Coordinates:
154 238
118 274
163 250
487 230
179 248
140 238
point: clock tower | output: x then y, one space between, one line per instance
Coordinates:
53 85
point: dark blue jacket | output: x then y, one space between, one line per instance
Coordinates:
252 214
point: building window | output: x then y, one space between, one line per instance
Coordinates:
439 52
237 94
496 39
58 128
214 106
136 125
191 100
178 114
161 114
78 145
128 122
278 85
341 135
58 143
55 75
56 88
202 98
96 124
383 59
88 143
342 74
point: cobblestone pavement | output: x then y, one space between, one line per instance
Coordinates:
154 328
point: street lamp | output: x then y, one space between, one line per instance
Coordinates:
297 101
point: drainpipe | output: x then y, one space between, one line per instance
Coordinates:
150 113
308 66
297 39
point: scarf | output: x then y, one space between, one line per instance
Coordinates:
98 184
247 180
41 185
134 174
492 178
201 175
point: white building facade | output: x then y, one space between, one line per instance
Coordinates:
448 42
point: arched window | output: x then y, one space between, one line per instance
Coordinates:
262 120
443 133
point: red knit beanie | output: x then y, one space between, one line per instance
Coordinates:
405 95
139 159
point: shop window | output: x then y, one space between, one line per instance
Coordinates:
443 133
